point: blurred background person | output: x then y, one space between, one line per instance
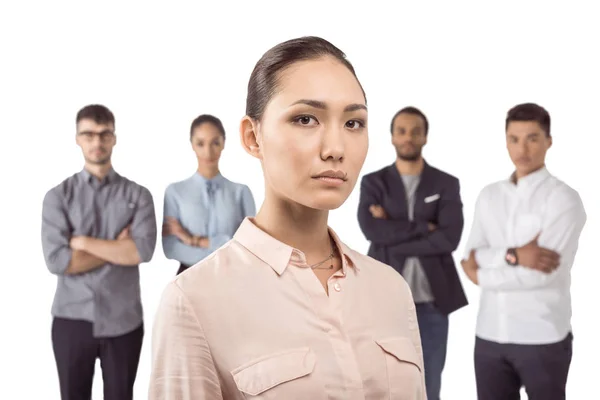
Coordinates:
411 212
97 227
520 252
203 212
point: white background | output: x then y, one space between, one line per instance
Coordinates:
157 66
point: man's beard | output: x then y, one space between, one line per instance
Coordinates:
411 157
105 159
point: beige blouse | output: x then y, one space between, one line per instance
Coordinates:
252 321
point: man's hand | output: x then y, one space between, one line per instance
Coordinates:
125 233
378 212
78 243
470 267
432 227
539 258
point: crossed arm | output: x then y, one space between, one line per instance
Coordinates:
66 254
408 238
540 262
181 245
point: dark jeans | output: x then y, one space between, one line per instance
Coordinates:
433 326
502 369
76 351
182 267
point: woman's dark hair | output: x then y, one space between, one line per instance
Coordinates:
207 119
529 112
97 113
412 111
264 80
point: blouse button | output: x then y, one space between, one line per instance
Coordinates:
337 287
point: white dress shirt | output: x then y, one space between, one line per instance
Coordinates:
518 304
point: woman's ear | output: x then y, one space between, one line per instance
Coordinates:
249 136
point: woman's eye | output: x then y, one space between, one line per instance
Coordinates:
305 120
355 124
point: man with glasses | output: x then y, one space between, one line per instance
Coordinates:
97 227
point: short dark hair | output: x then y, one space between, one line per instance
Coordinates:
529 112
207 119
96 112
264 80
412 111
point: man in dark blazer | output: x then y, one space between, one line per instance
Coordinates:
412 214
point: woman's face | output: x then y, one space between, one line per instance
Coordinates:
312 139
207 143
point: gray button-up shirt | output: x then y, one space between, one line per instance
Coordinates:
81 205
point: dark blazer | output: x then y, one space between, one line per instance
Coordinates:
437 200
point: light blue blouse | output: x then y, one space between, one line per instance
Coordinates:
213 208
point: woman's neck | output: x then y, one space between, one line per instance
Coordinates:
208 173
295 225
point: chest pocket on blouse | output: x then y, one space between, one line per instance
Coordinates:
283 375
403 368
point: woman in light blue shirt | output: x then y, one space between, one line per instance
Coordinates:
203 212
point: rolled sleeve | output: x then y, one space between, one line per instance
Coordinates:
56 233
143 226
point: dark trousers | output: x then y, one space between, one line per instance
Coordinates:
433 326
502 369
182 267
76 351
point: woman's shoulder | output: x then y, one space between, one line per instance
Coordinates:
179 185
236 186
225 267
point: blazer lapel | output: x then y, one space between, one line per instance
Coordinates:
425 188
397 206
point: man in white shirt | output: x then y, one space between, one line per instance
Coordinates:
520 252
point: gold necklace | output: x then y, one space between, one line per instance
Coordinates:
330 257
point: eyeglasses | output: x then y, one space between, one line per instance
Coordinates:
104 135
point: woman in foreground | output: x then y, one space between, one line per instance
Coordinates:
286 310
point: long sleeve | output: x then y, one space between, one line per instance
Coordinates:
182 365
173 248
560 232
446 237
485 255
382 231
143 226
56 234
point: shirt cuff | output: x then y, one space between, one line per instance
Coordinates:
490 257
